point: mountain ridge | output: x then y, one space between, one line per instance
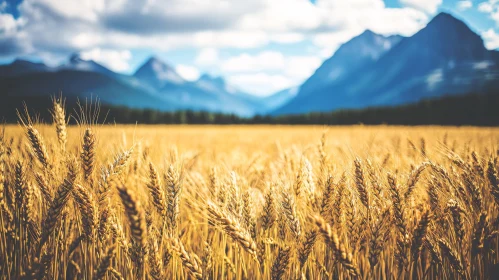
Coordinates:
355 53
154 85
158 74
427 64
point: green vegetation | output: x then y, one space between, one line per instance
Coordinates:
469 109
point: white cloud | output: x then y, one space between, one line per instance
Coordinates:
85 9
327 52
378 19
294 67
287 38
490 7
261 83
207 56
267 60
9 25
301 67
486 7
464 5
206 39
236 39
284 15
75 25
115 60
408 21
254 73
190 73
85 40
491 39
428 6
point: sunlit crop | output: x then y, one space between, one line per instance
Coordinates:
247 202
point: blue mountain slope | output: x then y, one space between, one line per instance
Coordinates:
20 67
280 98
76 63
219 85
155 85
208 93
363 49
80 85
157 74
211 94
445 57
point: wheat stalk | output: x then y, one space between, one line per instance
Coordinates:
173 190
105 264
136 219
332 240
58 203
280 263
156 192
37 145
188 260
232 228
289 211
59 117
88 153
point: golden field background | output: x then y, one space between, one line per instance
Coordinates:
248 202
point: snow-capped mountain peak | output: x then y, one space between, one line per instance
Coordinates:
158 74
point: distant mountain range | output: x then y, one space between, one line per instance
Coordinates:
444 58
155 85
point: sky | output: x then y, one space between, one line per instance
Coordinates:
259 46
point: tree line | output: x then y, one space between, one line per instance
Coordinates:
469 109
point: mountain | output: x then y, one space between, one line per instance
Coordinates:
157 74
349 58
280 98
260 105
77 79
155 85
445 57
78 85
20 67
212 83
207 94
211 94
77 63
257 104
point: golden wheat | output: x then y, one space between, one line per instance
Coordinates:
247 202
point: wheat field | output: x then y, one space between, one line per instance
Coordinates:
247 202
